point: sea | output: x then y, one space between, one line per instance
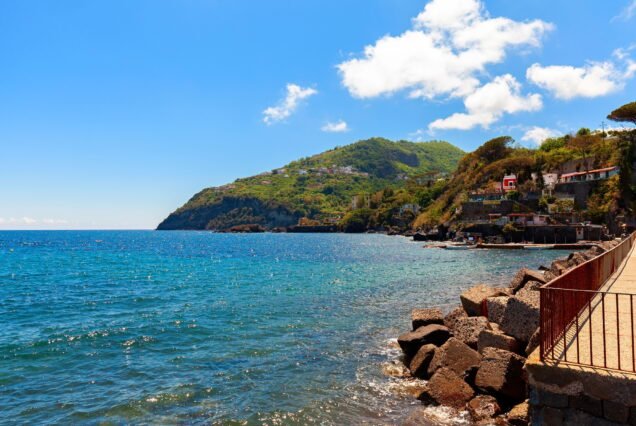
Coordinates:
149 327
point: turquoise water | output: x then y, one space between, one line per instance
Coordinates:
199 328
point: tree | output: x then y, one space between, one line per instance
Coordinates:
625 113
495 149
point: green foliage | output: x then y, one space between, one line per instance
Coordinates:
626 113
553 143
604 200
323 185
356 220
513 195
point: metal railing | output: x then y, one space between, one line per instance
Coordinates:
582 324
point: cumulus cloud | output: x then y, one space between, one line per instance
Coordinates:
537 134
488 103
450 44
567 82
337 127
287 106
627 13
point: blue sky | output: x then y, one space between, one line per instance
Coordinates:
113 113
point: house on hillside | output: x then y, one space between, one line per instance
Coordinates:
591 175
509 183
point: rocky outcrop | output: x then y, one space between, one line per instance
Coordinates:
501 373
496 339
456 356
468 329
523 276
483 408
521 317
473 298
481 351
231 211
412 341
447 388
423 317
453 316
419 365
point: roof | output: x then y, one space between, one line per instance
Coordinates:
606 169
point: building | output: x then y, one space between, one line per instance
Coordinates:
591 175
509 183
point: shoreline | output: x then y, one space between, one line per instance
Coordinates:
471 359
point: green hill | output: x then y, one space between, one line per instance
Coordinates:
319 187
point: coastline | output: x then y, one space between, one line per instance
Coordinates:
471 359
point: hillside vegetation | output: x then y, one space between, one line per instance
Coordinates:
486 166
320 187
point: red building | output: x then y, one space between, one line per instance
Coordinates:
509 183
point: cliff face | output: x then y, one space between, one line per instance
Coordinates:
319 187
229 212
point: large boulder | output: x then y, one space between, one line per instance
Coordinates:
447 388
496 339
433 334
451 318
496 306
521 318
575 259
421 361
422 317
501 373
456 356
468 329
473 298
558 267
519 414
483 407
523 276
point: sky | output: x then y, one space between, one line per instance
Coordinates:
113 113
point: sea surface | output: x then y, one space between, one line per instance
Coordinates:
144 327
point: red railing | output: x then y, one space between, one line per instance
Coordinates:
582 324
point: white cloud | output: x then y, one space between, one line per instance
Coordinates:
488 103
337 127
538 134
567 82
286 107
450 44
627 13
29 221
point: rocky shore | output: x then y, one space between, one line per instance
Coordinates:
472 358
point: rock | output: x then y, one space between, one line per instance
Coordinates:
549 276
412 341
496 306
468 329
395 369
521 318
534 342
451 318
496 339
575 259
473 298
447 388
530 293
518 415
411 388
421 361
425 416
422 317
456 356
501 373
523 276
558 267
483 407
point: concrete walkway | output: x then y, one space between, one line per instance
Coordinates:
606 341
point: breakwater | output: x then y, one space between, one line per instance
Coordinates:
473 357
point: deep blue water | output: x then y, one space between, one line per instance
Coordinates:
199 328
